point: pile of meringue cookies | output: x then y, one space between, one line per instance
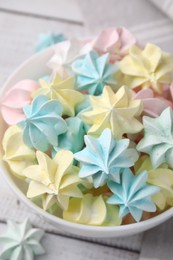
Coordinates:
93 141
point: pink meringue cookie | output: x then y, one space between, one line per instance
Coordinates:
116 41
15 99
152 106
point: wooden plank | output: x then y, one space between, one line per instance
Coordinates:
157 243
56 9
61 248
12 208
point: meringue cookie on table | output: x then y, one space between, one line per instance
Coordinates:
158 138
48 39
104 157
21 242
133 194
54 180
17 155
115 41
43 123
93 72
149 68
118 111
15 99
63 91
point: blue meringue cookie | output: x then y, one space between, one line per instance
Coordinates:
43 123
132 194
93 72
82 107
158 138
21 242
49 39
104 157
73 138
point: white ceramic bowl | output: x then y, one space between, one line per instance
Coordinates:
34 68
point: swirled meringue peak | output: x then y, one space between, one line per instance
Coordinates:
73 138
92 210
55 180
14 100
43 123
133 194
149 68
115 41
93 72
158 138
21 242
17 155
103 158
118 111
63 91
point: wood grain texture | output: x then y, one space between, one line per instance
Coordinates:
157 243
53 9
61 248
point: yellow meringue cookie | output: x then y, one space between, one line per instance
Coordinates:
91 210
117 111
17 155
55 179
147 68
161 177
63 91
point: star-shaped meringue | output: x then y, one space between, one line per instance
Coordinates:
117 111
93 72
43 123
104 157
158 138
55 180
21 242
133 194
150 67
63 91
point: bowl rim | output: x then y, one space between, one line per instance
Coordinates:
140 226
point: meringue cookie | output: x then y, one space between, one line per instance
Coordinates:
17 155
94 72
43 123
15 99
161 177
65 53
152 106
90 210
158 138
133 195
21 241
117 111
55 180
103 158
73 138
147 68
49 39
115 41
62 91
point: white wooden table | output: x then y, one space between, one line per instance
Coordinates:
20 25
